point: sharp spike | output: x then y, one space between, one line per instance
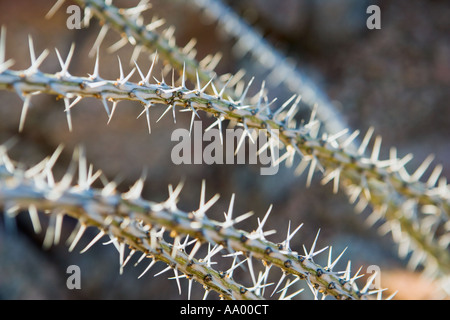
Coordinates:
292 295
261 224
189 289
34 218
54 8
350 139
49 234
224 87
32 53
147 115
192 122
120 69
147 78
434 177
97 237
199 86
164 113
99 40
119 44
65 67
132 252
35 66
2 45
392 296
161 272
244 94
365 142
127 77
279 110
77 237
183 76
95 75
312 168
5 65
177 279
68 113
422 168
202 194
143 255
139 70
105 105
278 284
121 255
250 268
261 93
194 250
206 85
376 149
23 115
229 214
114 106
58 227
313 246
214 62
331 266
148 268
206 294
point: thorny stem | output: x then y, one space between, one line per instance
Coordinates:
382 186
109 215
126 219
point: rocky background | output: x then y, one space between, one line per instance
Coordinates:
396 79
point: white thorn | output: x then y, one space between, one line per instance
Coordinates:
95 75
148 268
147 78
58 226
77 237
434 176
278 284
54 8
161 272
422 168
365 141
31 47
183 77
2 45
34 218
350 139
127 77
312 168
139 70
376 149
99 40
93 241
121 75
68 113
25 107
177 279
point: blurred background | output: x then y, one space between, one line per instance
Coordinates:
396 79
